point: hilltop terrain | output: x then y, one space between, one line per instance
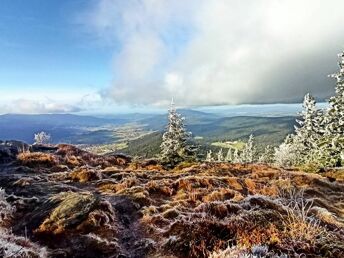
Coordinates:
60 201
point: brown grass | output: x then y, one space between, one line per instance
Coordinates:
219 195
37 159
84 174
72 209
73 156
335 175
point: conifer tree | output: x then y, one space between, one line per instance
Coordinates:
248 153
42 138
220 157
333 142
209 156
236 156
229 156
267 156
319 138
287 154
309 131
174 146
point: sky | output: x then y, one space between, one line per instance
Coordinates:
103 56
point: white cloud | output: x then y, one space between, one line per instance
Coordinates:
219 51
27 106
54 100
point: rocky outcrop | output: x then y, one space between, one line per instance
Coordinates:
43 148
10 149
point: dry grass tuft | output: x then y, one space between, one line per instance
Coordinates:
220 194
73 157
124 184
85 174
37 159
72 209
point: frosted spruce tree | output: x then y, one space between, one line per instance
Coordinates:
319 138
248 153
236 156
333 140
42 138
302 147
309 131
209 157
174 146
267 156
287 154
229 156
220 157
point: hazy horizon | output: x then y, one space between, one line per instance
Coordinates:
278 109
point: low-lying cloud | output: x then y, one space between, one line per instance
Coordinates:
210 52
29 106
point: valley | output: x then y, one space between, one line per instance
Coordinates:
140 134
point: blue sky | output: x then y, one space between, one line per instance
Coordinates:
116 56
40 42
43 49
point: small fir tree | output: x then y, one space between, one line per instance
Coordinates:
309 131
248 153
174 146
209 157
42 138
229 156
267 156
287 154
220 157
236 156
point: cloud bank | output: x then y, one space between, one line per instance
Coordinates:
37 101
212 52
29 106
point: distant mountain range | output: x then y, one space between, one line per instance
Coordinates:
210 129
67 127
60 126
90 130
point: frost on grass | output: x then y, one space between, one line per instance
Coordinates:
211 209
11 245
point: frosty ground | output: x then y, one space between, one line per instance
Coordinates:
60 201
